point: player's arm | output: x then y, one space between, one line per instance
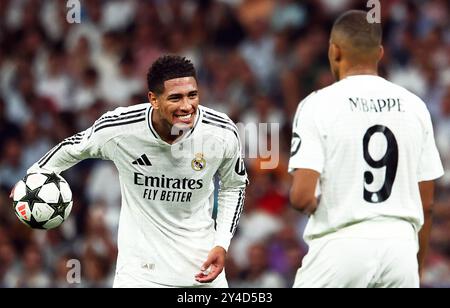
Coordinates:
67 153
427 196
302 194
233 180
90 143
95 142
307 159
429 169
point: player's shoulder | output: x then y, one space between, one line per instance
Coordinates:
312 102
209 112
128 110
410 96
321 97
324 95
312 97
122 118
217 122
415 104
217 117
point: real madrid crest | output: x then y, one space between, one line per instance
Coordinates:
198 163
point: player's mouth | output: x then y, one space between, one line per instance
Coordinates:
184 118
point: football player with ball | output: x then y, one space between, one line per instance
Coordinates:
167 236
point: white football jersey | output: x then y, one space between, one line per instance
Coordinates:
372 142
166 228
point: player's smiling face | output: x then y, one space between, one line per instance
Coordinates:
179 102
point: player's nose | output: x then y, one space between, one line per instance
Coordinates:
186 105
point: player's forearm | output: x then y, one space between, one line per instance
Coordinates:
305 206
56 165
424 238
230 206
71 151
427 197
56 160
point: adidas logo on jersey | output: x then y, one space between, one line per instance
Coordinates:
142 161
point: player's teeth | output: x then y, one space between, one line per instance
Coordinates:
185 117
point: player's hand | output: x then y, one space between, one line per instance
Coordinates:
11 195
213 265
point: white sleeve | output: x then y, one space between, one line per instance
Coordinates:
91 143
233 180
430 165
307 150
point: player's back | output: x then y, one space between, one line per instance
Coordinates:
373 135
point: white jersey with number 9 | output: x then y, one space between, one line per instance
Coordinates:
372 142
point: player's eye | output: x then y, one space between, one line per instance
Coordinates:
174 98
193 95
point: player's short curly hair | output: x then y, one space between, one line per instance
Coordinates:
168 67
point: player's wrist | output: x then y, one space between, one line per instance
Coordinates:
221 249
223 243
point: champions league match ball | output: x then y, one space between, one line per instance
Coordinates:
42 200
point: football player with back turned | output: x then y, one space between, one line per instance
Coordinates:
369 145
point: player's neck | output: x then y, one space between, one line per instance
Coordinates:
358 70
164 129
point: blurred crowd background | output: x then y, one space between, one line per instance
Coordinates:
256 59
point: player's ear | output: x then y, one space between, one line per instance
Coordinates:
335 52
380 53
152 98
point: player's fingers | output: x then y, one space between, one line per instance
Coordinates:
207 263
11 195
206 279
203 269
202 274
209 277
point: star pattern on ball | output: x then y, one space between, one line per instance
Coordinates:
32 197
59 207
53 178
27 176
